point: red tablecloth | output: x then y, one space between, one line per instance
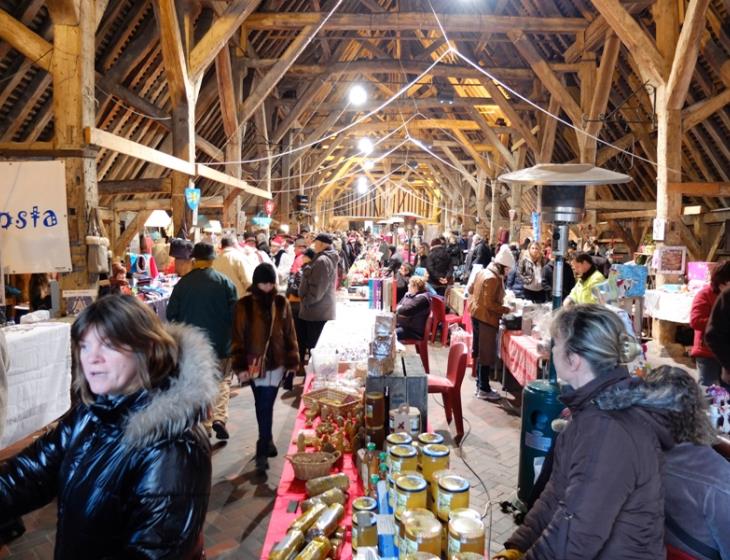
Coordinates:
520 355
293 489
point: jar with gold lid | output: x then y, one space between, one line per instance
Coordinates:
403 458
466 532
421 534
410 492
364 529
399 438
434 487
364 503
434 458
453 493
405 516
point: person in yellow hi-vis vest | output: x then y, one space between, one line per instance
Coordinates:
588 277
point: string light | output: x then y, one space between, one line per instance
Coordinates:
358 95
365 145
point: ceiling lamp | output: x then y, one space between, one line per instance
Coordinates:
368 165
362 184
357 95
158 219
365 145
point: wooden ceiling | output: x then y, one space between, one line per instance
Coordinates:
282 82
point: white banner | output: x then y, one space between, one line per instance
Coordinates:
33 226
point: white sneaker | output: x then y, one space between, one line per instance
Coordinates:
491 396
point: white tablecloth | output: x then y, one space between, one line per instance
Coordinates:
39 379
667 306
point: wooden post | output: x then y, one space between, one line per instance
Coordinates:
72 69
494 206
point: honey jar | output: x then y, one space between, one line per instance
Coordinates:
405 516
287 546
400 438
422 534
453 493
434 488
364 503
403 458
410 492
466 533
364 529
434 457
427 438
374 409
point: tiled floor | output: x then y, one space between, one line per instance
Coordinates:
240 503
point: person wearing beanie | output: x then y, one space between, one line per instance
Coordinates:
264 350
181 251
205 298
486 307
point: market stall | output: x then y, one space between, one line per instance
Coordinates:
522 356
39 378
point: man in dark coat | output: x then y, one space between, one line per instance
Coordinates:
439 266
205 298
317 290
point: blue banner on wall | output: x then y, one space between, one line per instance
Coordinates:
536 226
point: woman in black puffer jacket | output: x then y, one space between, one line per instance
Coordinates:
129 464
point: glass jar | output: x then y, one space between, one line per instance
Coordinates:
287 546
405 516
453 493
374 409
400 438
403 458
422 534
426 438
364 529
433 495
410 492
364 503
434 458
466 533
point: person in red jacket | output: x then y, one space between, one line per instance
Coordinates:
708 365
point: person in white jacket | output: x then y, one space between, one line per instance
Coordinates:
231 262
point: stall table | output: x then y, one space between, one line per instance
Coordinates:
667 306
39 377
521 357
456 299
291 489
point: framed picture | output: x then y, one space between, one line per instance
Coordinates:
672 260
78 300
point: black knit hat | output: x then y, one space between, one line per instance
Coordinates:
264 274
203 252
181 249
324 238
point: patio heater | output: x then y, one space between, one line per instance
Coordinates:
563 203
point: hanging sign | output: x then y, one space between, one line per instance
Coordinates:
536 226
33 217
192 197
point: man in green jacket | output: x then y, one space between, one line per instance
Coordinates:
205 298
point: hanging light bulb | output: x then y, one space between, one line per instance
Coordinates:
362 185
368 165
357 95
365 145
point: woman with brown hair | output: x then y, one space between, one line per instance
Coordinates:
264 349
129 464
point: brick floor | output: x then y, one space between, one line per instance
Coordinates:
240 502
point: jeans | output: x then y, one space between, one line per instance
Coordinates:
264 398
709 370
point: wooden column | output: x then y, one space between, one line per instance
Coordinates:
72 69
494 205
481 199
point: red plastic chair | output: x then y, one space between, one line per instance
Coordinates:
440 317
450 387
421 344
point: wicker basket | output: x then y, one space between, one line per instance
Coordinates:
339 401
312 465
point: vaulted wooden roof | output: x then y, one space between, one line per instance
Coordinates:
282 78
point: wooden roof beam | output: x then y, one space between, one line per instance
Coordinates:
700 111
492 137
180 86
216 38
224 77
26 41
685 56
651 63
134 186
469 148
509 111
276 73
411 21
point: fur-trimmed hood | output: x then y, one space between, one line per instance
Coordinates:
170 411
634 391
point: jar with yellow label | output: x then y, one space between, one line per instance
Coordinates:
422 534
403 458
433 495
400 438
364 503
405 516
453 493
466 534
426 438
434 457
364 529
287 546
410 492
